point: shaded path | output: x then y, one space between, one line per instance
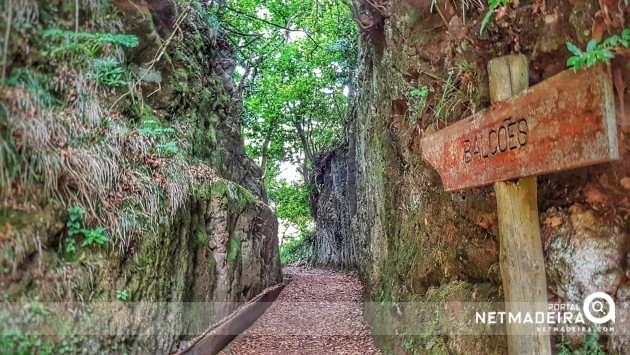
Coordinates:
320 312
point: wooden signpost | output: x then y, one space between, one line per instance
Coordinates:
565 122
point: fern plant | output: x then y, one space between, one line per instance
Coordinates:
74 227
108 72
153 128
168 148
89 44
597 52
87 47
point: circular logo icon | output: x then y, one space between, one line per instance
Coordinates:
593 303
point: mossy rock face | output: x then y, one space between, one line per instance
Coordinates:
176 258
23 233
382 209
202 236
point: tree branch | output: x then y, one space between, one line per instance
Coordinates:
285 27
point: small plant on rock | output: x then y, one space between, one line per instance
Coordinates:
418 101
92 236
233 250
594 52
108 72
122 295
74 221
423 92
74 228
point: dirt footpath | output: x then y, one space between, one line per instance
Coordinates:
320 312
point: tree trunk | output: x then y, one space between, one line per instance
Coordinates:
308 154
265 152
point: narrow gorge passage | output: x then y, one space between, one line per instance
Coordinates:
319 312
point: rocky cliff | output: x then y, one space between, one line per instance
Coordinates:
383 211
123 176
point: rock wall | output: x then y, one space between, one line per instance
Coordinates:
333 245
382 209
158 162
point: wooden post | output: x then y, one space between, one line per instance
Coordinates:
565 122
521 255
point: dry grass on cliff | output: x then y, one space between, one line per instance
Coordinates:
57 137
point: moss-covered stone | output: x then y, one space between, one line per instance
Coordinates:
202 236
234 248
173 258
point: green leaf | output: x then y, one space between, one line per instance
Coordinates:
574 49
600 56
485 21
572 61
611 41
608 54
592 44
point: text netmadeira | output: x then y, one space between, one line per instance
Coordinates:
510 135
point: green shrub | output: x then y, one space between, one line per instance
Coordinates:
90 48
594 52
291 204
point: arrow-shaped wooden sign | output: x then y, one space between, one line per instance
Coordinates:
565 122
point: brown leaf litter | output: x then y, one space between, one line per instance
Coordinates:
319 312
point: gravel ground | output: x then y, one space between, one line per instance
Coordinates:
319 312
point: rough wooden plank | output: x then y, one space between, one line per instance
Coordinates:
565 122
521 255
522 263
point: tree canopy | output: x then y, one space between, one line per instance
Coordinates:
295 61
